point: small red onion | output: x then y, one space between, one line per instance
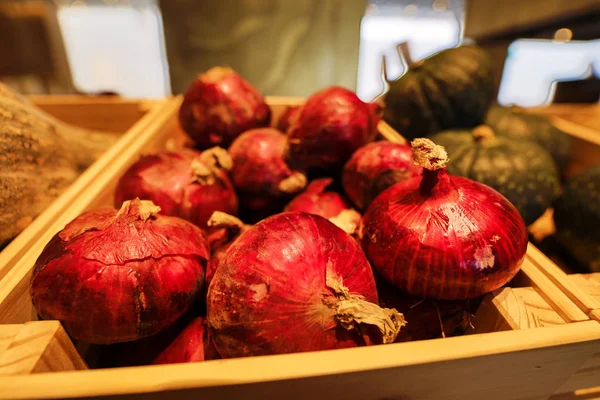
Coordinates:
374 168
443 236
115 276
332 124
295 282
260 174
192 345
288 118
219 105
330 205
185 184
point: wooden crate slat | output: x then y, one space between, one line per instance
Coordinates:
534 363
578 296
7 333
514 309
39 346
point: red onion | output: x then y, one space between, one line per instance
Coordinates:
443 236
192 345
260 174
295 282
185 184
330 205
224 229
288 118
375 167
114 276
332 124
219 105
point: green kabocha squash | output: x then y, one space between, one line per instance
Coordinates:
518 124
577 218
522 171
449 90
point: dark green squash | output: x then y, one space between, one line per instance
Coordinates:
518 124
520 170
449 90
577 218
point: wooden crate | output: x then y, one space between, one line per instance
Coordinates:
526 343
111 114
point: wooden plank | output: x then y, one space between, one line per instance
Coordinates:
97 113
40 347
582 394
535 267
586 377
7 333
17 259
514 309
527 364
559 278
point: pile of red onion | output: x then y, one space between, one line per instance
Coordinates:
219 105
295 282
375 167
329 127
120 275
442 236
263 179
185 184
298 280
327 204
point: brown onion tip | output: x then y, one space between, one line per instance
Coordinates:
428 154
223 220
293 183
144 208
347 220
352 310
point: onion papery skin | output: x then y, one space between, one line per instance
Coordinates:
168 180
461 241
375 167
115 276
192 345
328 204
219 105
331 125
260 169
271 293
288 118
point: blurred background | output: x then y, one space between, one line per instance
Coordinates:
546 50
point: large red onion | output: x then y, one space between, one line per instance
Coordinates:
295 282
327 204
443 236
114 276
219 105
192 345
332 124
374 168
185 184
260 174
